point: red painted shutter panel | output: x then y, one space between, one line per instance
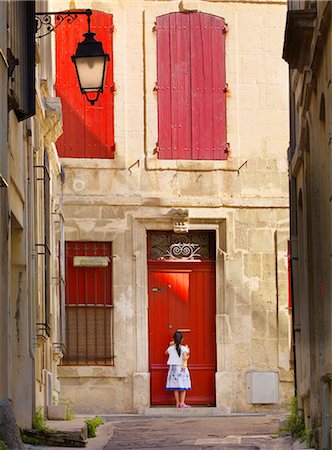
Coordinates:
173 70
219 88
191 82
180 86
164 87
88 131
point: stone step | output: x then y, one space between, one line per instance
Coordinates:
70 433
193 411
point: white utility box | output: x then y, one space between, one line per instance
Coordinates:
262 387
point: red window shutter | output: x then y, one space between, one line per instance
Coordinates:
191 83
88 285
88 131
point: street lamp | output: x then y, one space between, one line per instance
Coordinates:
90 63
90 60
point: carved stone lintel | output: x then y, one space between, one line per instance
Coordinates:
180 219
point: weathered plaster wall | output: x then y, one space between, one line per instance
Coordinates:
310 164
245 199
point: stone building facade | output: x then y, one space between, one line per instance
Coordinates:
135 197
30 171
308 50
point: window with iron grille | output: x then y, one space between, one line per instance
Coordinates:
89 305
191 86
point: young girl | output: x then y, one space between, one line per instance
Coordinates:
178 377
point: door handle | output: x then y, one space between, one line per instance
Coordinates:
184 330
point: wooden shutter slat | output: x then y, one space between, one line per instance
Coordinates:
164 88
218 87
201 83
180 87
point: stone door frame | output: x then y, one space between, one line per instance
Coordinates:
141 375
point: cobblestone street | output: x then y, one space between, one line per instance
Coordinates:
222 432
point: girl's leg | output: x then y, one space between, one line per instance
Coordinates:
177 398
182 399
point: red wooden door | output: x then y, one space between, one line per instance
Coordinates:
182 297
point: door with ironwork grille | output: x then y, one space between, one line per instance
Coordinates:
182 298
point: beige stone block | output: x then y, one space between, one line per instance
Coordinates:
241 330
283 293
243 310
264 353
112 396
249 30
261 241
252 264
272 325
274 97
263 298
252 124
241 356
260 185
268 266
259 323
267 165
141 389
56 412
224 390
243 294
247 96
250 68
282 216
254 218
241 237
234 273
284 319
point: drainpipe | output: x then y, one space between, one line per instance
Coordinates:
31 258
293 212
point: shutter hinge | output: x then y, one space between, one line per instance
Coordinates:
156 149
113 148
155 89
225 29
154 28
225 90
227 149
112 28
113 88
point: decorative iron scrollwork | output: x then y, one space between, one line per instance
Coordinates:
44 20
186 246
183 251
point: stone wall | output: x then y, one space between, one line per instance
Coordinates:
245 199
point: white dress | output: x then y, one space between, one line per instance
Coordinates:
178 377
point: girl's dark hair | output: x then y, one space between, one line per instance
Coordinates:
177 340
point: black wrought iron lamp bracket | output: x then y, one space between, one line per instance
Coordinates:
44 19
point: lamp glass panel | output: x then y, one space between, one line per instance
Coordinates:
91 71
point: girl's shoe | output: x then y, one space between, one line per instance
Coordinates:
184 405
177 406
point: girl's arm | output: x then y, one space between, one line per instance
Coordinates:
185 357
